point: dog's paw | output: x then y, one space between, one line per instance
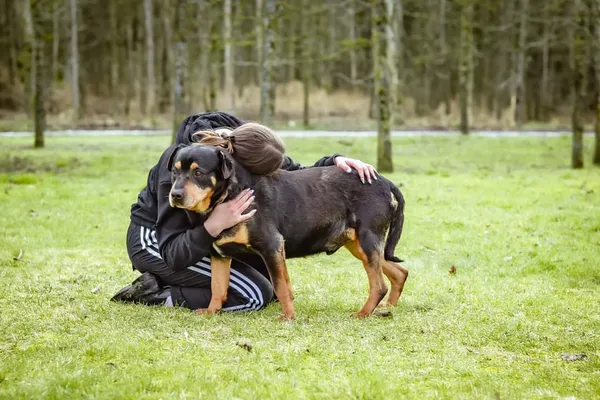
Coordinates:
360 315
385 304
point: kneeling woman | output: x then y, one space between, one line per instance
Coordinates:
171 247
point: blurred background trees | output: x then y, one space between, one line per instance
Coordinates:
442 63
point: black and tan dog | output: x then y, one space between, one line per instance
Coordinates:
299 213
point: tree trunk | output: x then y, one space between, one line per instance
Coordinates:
114 55
259 41
38 49
212 68
11 22
229 82
165 62
379 25
150 78
579 71
55 44
30 40
266 88
466 65
292 45
180 66
445 67
75 61
521 67
352 34
306 62
596 51
544 92
391 41
129 84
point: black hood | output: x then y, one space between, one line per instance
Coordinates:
205 121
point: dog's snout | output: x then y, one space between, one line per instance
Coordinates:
177 194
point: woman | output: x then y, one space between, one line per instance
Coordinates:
171 246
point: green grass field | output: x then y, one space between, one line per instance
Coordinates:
521 229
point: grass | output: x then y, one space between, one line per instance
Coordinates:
521 229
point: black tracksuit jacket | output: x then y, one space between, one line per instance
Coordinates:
182 238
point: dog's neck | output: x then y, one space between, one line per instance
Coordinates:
229 188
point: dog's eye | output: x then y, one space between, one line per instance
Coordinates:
197 173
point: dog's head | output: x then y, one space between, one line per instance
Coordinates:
199 175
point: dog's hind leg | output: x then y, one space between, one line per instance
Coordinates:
220 269
397 275
371 260
275 261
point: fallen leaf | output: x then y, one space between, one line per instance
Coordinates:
18 258
452 270
96 289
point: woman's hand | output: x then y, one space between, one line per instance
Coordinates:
230 213
364 170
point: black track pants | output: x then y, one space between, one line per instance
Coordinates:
249 289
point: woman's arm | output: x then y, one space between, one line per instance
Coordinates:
365 171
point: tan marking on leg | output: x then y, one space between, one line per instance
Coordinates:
219 283
281 281
377 288
239 235
397 276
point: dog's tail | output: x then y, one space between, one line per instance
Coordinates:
395 226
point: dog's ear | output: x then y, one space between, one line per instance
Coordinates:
172 156
226 164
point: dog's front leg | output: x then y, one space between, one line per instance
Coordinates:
219 270
275 261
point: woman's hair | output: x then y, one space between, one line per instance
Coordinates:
255 146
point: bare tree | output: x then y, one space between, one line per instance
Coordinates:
466 65
521 67
391 42
30 39
306 62
266 80
595 5
151 83
352 34
38 50
579 71
180 65
381 78
75 61
229 82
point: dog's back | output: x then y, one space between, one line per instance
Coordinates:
317 209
